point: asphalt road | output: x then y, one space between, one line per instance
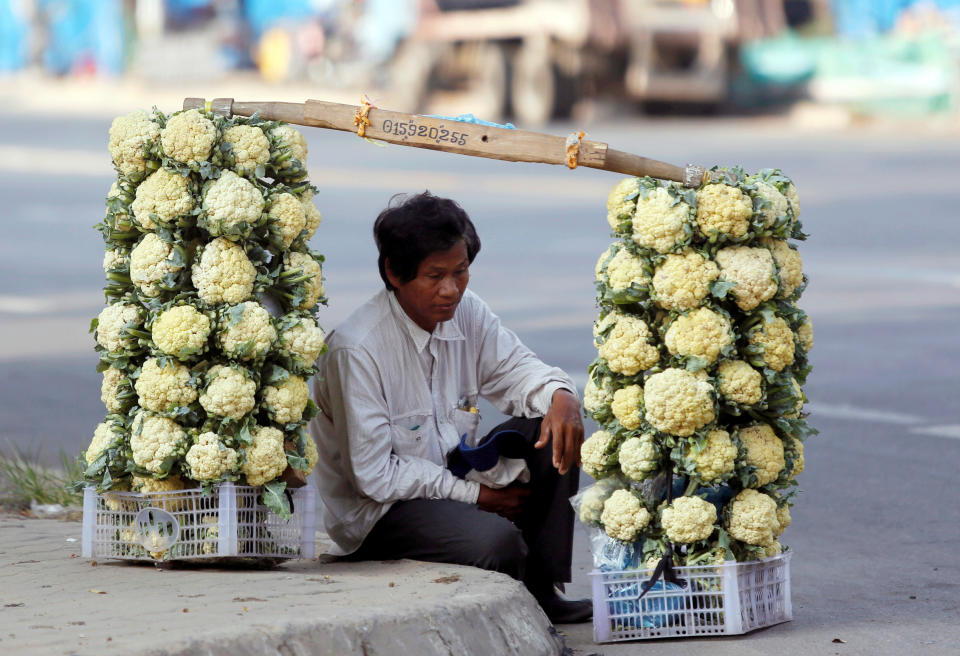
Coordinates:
876 528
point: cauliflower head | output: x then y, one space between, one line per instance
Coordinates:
309 268
639 457
688 519
597 396
678 402
717 457
223 273
737 381
115 259
208 459
591 501
311 454
724 210
115 502
805 334
594 453
188 137
312 216
113 379
289 217
163 389
790 191
774 549
154 439
146 484
155 488
286 401
150 262
753 272
626 346
661 222
181 331
288 144
620 209
232 205
265 458
130 136
229 393
605 257
783 518
799 462
776 341
303 342
246 331
753 518
623 516
627 405
764 451
800 399
777 206
682 281
118 205
165 196
702 333
789 266
249 145
112 323
626 269
104 436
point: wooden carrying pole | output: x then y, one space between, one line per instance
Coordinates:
454 136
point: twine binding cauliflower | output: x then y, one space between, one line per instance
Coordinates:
210 331
698 383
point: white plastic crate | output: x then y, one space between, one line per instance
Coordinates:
228 522
727 599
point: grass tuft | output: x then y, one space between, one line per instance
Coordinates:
24 480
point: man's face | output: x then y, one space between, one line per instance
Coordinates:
434 294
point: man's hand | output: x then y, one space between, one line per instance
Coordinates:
564 428
507 501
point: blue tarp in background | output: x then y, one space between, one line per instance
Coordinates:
13 38
864 18
79 33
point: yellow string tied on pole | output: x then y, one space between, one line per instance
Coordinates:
362 118
573 148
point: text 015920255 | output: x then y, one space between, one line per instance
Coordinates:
436 134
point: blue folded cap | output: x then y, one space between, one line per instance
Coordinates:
486 455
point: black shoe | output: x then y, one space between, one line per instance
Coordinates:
566 611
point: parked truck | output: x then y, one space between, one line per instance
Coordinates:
533 59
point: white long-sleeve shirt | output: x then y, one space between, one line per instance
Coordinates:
390 397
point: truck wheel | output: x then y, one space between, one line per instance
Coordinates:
533 89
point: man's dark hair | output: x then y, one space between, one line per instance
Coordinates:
413 227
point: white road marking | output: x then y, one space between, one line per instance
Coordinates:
873 272
55 161
948 430
25 305
847 411
44 338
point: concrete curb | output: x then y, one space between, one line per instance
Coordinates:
58 602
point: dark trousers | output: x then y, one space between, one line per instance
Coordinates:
537 549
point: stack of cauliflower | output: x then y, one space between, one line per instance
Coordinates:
702 357
210 332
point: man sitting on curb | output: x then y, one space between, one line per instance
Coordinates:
397 392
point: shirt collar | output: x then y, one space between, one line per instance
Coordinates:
444 330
